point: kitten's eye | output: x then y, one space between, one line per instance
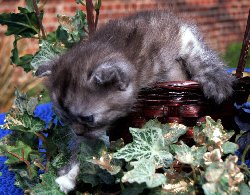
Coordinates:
86 119
89 74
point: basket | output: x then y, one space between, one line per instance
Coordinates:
183 102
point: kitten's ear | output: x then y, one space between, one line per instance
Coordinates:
44 70
107 74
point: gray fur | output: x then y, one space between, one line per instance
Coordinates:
102 76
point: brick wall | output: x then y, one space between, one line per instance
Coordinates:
221 21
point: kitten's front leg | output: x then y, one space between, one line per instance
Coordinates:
67 180
205 66
68 174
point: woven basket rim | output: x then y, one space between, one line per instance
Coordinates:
178 83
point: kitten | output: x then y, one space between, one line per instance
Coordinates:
97 81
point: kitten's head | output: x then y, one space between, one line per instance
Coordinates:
90 89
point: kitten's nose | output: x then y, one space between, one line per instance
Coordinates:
87 119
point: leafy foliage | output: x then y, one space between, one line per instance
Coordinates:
71 30
209 173
48 52
192 156
148 143
23 24
26 157
27 24
144 172
48 185
223 177
150 160
95 165
156 161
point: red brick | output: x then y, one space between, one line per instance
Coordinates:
221 21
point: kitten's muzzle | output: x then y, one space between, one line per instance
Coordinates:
84 130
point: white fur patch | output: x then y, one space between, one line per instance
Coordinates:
187 37
128 92
67 182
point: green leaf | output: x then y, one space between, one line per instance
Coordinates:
172 132
31 105
21 24
223 177
90 172
229 148
211 133
94 175
71 30
59 161
113 166
46 55
51 37
214 172
81 2
116 145
15 55
20 101
23 61
26 177
153 123
21 118
24 10
134 189
62 34
192 156
25 104
244 189
48 186
18 153
147 144
144 172
25 123
29 4
98 4
210 189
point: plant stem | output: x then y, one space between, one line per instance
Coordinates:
97 17
39 19
85 30
97 10
90 17
245 168
81 2
42 137
243 157
194 174
121 185
22 159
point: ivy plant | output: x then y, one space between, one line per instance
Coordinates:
157 161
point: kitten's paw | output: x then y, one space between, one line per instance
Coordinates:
67 182
217 88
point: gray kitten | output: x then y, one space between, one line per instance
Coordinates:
97 81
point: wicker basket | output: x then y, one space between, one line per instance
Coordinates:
184 102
